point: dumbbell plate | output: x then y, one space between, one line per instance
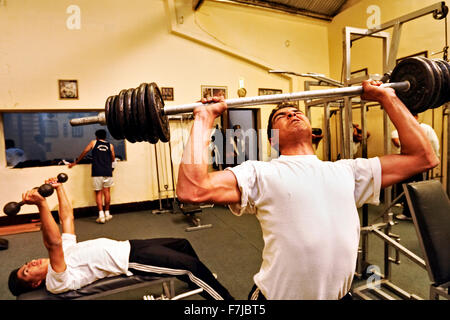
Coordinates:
421 79
156 107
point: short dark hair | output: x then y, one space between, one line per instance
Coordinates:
282 105
9 143
17 286
100 134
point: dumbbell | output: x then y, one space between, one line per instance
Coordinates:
45 190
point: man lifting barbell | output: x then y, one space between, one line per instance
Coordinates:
307 208
72 265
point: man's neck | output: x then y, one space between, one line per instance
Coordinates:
304 149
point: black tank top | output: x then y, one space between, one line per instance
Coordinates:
101 159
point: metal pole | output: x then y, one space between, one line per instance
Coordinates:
294 96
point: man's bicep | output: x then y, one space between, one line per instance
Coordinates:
224 187
396 168
56 255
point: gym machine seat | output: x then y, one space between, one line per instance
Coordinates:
190 211
103 288
430 209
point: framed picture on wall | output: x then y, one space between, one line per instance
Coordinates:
214 91
167 93
266 91
419 54
68 89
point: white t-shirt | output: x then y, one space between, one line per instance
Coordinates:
431 135
88 261
307 209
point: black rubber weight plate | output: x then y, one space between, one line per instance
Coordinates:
421 79
445 90
144 120
108 113
156 107
120 121
112 126
437 83
128 115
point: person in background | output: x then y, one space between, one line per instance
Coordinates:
357 138
103 158
398 189
13 155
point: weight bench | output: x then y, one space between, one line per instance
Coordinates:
104 287
190 212
430 210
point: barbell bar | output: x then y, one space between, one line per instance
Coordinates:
140 115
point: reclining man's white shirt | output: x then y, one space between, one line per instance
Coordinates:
88 261
307 209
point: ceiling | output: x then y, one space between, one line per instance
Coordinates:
321 9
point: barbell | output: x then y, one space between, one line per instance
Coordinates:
139 114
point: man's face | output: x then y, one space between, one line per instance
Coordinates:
291 124
33 271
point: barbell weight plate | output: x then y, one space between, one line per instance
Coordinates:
119 114
144 118
445 81
151 114
139 117
134 110
447 93
436 96
128 115
421 79
108 113
112 125
156 107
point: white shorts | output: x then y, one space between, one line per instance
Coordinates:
102 182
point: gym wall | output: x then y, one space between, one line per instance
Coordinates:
122 44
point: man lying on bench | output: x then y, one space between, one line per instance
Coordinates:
72 265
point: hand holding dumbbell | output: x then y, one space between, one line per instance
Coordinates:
45 190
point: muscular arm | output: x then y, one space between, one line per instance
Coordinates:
195 184
65 210
113 154
50 230
88 148
417 154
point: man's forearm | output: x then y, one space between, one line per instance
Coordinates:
49 228
194 164
65 211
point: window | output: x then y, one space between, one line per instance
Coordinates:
43 139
